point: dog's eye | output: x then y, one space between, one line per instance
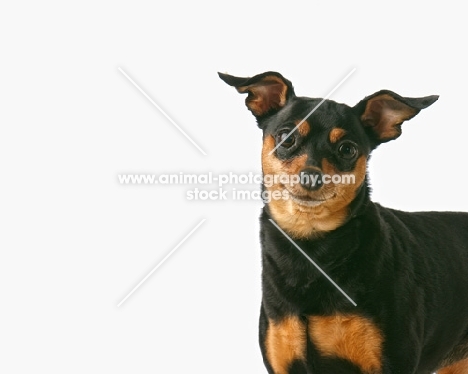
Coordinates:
285 140
347 150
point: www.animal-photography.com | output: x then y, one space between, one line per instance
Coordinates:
248 187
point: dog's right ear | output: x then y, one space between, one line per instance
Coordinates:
383 113
267 92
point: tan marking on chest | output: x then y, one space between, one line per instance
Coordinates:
460 367
285 343
350 337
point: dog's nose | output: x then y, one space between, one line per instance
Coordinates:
311 179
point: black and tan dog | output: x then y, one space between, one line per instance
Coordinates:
407 272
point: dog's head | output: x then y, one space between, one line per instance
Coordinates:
315 152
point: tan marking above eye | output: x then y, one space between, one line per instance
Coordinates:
352 337
336 134
304 128
285 342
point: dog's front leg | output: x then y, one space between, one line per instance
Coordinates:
283 342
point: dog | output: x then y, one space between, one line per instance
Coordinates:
392 296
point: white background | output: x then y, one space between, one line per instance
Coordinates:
74 242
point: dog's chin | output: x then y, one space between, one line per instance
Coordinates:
309 201
306 201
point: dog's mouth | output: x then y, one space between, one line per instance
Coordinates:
309 201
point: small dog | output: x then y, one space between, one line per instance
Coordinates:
407 272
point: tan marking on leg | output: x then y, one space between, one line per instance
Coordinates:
351 337
285 343
336 134
460 367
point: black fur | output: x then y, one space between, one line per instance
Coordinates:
407 272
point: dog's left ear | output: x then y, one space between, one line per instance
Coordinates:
383 113
267 92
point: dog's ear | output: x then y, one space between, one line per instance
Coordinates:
383 113
267 92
